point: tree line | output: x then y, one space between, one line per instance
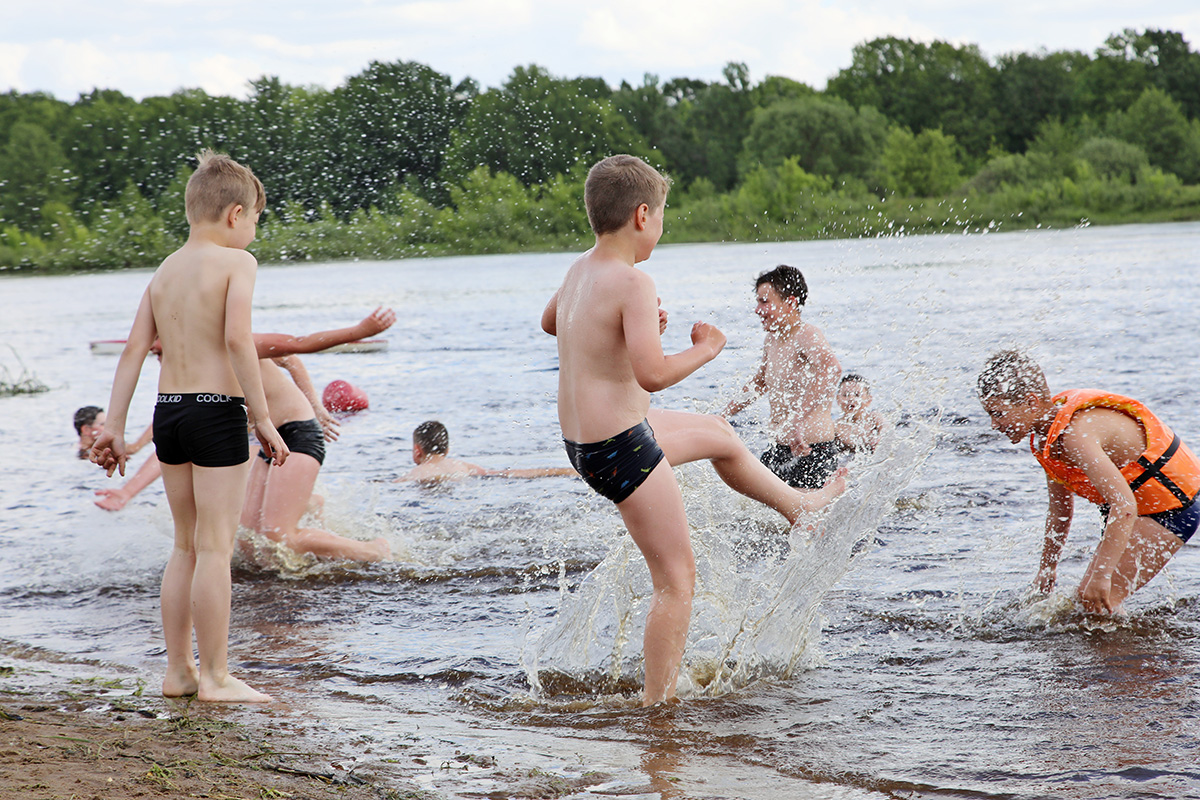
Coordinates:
402 160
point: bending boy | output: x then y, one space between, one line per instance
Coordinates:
1110 450
198 304
608 323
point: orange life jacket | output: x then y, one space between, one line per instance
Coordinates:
1164 477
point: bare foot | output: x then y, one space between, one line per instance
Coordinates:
382 548
181 684
814 499
230 690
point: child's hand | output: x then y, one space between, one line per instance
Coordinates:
703 333
662 318
329 424
1045 580
378 321
270 441
1095 595
112 499
109 452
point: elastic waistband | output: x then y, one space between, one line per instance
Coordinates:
165 399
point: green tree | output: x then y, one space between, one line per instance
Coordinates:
33 172
1156 124
536 126
1033 88
825 134
924 86
921 165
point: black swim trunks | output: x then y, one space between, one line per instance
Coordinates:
301 436
1183 522
208 430
804 472
617 466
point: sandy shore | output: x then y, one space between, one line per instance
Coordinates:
99 740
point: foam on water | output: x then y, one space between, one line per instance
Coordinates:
755 615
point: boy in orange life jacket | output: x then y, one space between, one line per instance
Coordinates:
1110 450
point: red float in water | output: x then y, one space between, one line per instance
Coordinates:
343 396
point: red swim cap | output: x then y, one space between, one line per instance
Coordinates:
342 396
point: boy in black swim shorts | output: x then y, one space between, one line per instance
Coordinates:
198 306
608 324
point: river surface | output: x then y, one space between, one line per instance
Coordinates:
888 648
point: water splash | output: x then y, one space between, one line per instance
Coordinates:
755 613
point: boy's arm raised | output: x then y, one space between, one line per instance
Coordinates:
239 343
653 369
270 345
109 448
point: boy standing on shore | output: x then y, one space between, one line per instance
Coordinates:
198 305
1110 450
608 323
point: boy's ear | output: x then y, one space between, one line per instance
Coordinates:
641 215
234 212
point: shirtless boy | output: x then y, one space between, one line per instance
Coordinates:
431 454
89 422
859 428
1110 450
608 323
799 374
198 304
276 499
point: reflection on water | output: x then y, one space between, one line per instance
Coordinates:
888 649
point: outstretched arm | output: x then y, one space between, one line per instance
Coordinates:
115 499
749 393
535 472
270 345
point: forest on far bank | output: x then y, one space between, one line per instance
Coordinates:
401 161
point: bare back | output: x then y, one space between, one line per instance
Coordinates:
598 393
285 399
189 294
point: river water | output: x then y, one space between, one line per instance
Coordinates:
889 648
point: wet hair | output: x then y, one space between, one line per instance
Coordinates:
86 416
218 183
432 437
1010 375
616 186
786 280
854 377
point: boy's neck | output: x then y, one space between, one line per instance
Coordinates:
616 247
206 234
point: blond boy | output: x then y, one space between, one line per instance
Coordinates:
608 323
198 306
1112 451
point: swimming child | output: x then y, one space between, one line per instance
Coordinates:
858 428
798 373
1110 450
607 319
198 305
431 454
89 422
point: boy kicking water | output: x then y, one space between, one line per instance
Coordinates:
1110 450
198 305
608 323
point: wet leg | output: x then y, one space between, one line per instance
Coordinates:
1150 548
219 492
182 676
686 437
655 518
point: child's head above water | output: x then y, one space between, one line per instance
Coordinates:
853 394
432 438
616 187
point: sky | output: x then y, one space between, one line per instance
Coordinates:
154 47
